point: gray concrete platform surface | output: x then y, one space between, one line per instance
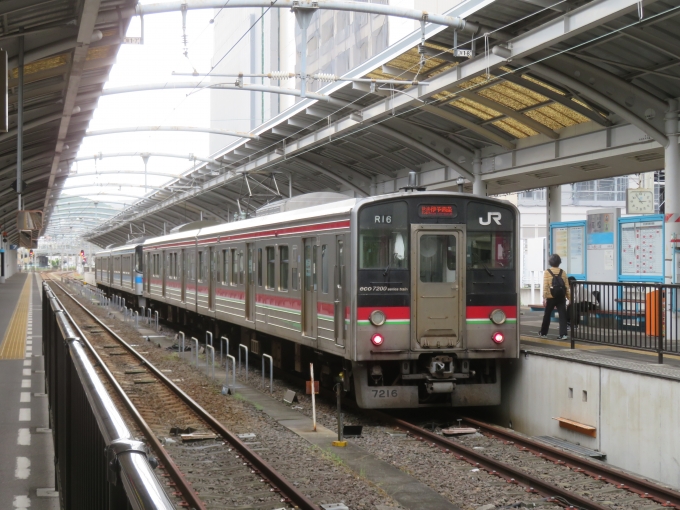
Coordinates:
27 452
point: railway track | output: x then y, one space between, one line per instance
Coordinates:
208 466
560 477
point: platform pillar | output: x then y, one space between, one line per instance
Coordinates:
672 186
478 185
553 211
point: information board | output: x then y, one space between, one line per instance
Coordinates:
642 248
601 231
568 243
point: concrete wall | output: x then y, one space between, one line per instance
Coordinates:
636 415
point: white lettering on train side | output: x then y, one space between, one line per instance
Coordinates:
382 219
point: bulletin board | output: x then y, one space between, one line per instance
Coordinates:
568 240
641 248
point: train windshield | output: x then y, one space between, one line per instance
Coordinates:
489 250
383 236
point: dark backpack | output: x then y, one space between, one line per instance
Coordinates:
557 288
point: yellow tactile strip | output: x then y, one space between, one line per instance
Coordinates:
14 344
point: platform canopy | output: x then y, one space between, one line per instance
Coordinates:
555 92
67 54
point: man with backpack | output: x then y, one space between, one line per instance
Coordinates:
556 294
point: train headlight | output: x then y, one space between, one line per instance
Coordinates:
498 337
377 339
497 316
377 317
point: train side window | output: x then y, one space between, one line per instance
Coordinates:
283 268
324 269
271 268
234 267
241 268
200 266
176 266
225 267
294 272
259 267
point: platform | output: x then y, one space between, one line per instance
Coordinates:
530 323
26 464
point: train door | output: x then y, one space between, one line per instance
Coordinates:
212 277
183 276
147 272
437 283
309 290
339 290
250 283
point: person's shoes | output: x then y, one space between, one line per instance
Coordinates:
563 337
541 335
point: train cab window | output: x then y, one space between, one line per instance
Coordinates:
259 267
138 259
283 268
271 267
383 236
489 250
437 258
324 269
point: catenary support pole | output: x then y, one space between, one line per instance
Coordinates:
478 185
553 210
672 187
20 121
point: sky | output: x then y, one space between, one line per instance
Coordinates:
153 62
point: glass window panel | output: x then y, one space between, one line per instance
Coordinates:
271 267
283 267
324 269
438 258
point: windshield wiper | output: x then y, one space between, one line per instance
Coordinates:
486 268
387 270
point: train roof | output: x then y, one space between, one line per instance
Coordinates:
119 249
316 212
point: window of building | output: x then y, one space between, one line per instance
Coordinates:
271 267
283 267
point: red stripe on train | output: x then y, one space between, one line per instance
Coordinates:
391 312
483 312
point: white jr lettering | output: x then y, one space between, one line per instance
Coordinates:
496 216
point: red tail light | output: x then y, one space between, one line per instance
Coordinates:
498 337
377 339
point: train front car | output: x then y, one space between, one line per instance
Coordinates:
436 299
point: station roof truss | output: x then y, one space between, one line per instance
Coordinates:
67 54
555 92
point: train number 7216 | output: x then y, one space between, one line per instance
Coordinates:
384 393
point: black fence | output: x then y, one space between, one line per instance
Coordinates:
640 316
98 464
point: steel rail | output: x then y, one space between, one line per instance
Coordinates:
257 463
173 470
640 486
495 467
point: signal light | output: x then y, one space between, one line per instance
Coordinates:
498 337
377 339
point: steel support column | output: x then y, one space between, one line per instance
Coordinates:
553 209
478 185
672 186
20 121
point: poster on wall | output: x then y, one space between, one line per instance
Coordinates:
568 244
642 248
601 231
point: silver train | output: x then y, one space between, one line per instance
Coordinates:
411 298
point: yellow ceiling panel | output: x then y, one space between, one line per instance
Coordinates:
515 128
41 65
539 115
571 117
542 84
476 109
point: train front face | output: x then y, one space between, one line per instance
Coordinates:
436 299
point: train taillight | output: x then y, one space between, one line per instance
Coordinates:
377 339
498 337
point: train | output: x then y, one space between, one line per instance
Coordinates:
408 299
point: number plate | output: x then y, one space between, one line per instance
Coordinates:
391 393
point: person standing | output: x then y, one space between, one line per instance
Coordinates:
556 294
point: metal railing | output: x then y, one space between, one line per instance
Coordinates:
98 462
642 316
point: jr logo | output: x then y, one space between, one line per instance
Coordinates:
496 216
